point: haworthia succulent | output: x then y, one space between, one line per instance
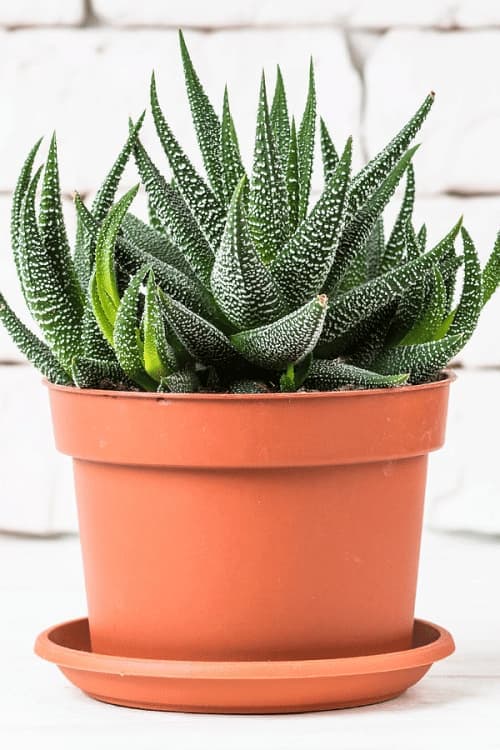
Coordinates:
395 249
127 341
286 341
267 201
158 356
31 347
333 374
422 361
203 204
56 308
358 230
201 338
491 272
371 176
422 237
305 140
100 374
328 151
95 345
295 375
22 185
206 123
176 217
471 300
232 166
351 307
303 265
280 122
414 245
242 285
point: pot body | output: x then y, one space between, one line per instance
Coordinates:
250 527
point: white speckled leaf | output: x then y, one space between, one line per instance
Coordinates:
55 307
203 204
242 285
203 341
20 191
232 166
280 122
333 374
206 123
471 300
302 266
305 141
286 341
31 347
373 174
422 361
396 244
267 200
158 355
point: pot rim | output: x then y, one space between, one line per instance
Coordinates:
448 376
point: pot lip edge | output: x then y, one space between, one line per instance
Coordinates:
417 657
449 377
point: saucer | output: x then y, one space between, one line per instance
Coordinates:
241 687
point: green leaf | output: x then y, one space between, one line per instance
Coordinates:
176 217
333 374
31 347
303 265
105 282
395 249
285 341
350 308
159 357
242 285
280 122
268 202
358 230
202 202
53 231
328 152
54 304
232 166
245 386
427 327
305 142
206 123
100 374
414 246
127 341
377 170
295 375
20 191
471 300
182 381
292 180
203 341
491 272
422 361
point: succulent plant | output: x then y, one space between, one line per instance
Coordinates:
237 284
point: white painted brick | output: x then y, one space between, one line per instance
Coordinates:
443 14
459 150
37 487
41 12
91 81
223 13
464 483
9 284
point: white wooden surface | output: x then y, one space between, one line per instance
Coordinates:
455 706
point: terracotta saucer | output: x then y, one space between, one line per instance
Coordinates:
241 687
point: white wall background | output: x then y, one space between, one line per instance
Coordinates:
83 68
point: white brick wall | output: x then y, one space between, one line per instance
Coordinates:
83 68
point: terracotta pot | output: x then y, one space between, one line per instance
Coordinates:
250 527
